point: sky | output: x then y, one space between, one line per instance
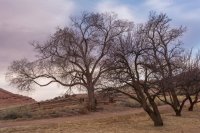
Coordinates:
25 21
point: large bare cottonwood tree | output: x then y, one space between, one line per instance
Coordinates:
75 56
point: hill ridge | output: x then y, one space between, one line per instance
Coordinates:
10 99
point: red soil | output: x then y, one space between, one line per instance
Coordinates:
9 99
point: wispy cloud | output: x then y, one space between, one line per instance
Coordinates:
124 11
159 4
22 21
34 15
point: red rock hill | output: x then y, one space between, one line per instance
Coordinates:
9 99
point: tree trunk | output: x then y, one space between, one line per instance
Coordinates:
175 98
153 112
178 112
91 100
192 103
157 120
152 109
155 117
191 107
175 103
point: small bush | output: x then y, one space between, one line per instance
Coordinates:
11 115
15 113
129 103
83 110
55 114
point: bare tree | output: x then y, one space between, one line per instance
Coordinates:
188 81
148 59
74 56
130 59
165 56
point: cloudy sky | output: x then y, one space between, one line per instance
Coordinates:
23 21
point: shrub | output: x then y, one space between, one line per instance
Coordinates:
15 113
129 103
11 115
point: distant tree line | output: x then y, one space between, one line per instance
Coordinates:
98 50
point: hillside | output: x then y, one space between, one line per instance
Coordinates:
9 99
128 121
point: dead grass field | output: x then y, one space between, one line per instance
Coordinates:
130 122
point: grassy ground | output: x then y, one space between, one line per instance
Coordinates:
116 122
126 123
60 109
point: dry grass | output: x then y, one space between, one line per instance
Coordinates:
58 109
120 123
129 123
28 112
128 102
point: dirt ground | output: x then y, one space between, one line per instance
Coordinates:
128 121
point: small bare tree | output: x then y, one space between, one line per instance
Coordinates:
130 59
188 81
74 56
165 56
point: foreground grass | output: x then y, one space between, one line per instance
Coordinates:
129 123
